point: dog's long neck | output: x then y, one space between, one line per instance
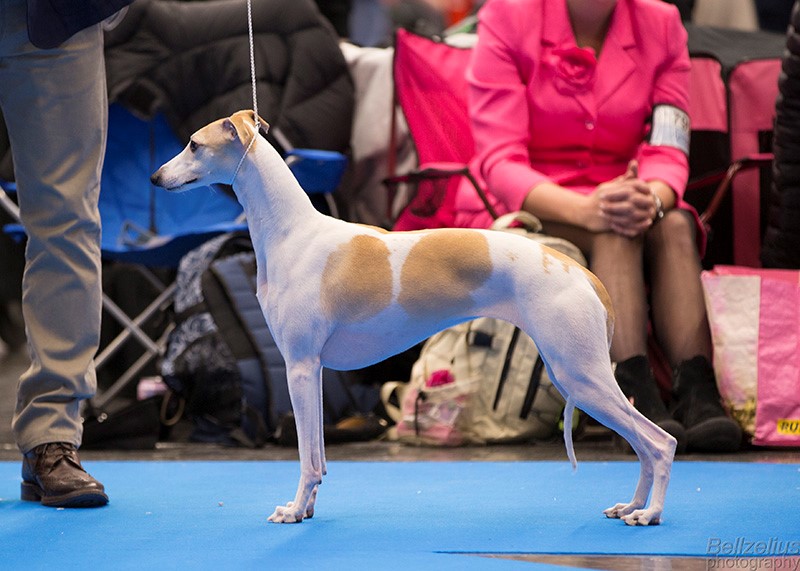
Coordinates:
273 200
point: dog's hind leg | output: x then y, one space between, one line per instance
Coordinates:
594 390
655 449
305 390
321 440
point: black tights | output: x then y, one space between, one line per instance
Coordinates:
668 256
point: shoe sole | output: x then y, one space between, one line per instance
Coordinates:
719 434
78 499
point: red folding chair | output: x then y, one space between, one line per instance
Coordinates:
733 88
732 105
431 89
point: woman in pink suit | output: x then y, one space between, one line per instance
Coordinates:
579 116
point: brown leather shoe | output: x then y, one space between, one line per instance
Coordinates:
52 474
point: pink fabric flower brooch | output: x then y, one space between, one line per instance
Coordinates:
574 69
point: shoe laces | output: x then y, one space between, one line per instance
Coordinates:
63 451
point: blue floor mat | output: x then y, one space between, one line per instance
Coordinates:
384 515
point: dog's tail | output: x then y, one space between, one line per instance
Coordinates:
569 411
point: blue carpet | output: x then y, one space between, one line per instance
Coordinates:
418 515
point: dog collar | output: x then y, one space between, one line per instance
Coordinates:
247 150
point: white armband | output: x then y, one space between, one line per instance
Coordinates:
670 128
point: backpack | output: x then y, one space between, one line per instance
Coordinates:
223 363
481 381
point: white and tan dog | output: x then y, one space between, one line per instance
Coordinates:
344 296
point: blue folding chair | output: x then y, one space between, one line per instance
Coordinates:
318 172
149 227
145 226
154 229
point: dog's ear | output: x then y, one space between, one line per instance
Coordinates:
241 129
240 125
230 130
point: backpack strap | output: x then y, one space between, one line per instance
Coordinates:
241 323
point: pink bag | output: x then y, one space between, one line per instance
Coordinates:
755 326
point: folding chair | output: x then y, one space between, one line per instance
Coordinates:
151 229
732 104
431 90
733 88
724 182
143 226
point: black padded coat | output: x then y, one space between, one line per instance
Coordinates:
781 248
191 61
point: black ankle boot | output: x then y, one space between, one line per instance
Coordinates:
699 408
635 378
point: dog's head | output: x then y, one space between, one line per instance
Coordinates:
212 155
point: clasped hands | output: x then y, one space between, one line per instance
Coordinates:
624 205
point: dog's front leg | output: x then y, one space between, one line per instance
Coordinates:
305 390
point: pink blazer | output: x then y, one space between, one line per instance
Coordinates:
544 109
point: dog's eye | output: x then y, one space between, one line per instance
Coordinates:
192 146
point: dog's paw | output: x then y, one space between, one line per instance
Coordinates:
643 517
287 514
620 510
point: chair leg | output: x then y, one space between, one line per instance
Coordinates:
331 205
133 326
9 205
101 400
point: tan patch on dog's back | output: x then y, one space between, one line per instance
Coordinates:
548 252
602 293
357 280
597 285
605 299
442 270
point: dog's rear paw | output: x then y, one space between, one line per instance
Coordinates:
620 510
643 517
289 514
286 514
633 515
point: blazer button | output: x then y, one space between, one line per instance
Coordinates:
589 125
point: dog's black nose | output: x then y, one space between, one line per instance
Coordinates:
155 178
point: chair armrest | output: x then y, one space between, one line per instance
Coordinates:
429 171
317 171
15 231
724 180
9 187
437 171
